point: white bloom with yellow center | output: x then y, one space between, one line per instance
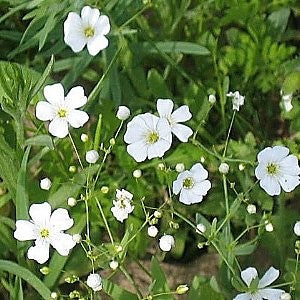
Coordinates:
277 169
257 289
60 110
122 205
46 229
147 136
192 185
181 114
88 29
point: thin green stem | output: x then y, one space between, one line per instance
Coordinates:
132 281
228 134
75 149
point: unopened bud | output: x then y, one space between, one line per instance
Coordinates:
113 265
212 99
137 173
72 169
104 189
269 227
182 289
77 238
152 231
161 166
44 270
251 209
179 167
223 168
84 138
72 201
157 214
112 141
54 295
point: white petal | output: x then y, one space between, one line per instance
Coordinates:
102 26
198 172
264 155
201 188
270 276
97 43
138 151
59 127
244 296
248 275
164 129
182 132
44 111
288 182
181 114
187 197
195 198
261 171
289 165
119 214
25 231
136 130
61 220
40 213
76 41
164 107
271 294
72 23
158 149
77 118
177 186
280 152
55 94
90 15
76 97
63 243
270 185
39 252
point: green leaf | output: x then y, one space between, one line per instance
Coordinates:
291 83
40 140
157 85
116 292
27 276
279 20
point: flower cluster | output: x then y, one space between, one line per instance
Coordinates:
122 205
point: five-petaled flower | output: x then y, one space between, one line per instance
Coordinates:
60 110
46 229
257 288
276 169
88 29
192 185
147 136
122 205
181 114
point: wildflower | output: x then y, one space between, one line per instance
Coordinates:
147 136
88 29
257 288
287 101
297 228
237 100
84 137
113 265
157 214
251 209
137 173
223 168
60 110
91 156
54 295
152 231
182 289
166 242
276 169
72 169
192 185
123 113
45 184
241 167
181 114
122 205
179 167
104 189
46 229
94 281
212 99
72 201
269 227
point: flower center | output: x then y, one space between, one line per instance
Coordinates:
89 32
188 183
44 233
152 137
62 113
272 169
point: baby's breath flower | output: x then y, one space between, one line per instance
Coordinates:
137 173
94 281
72 169
182 289
72 201
241 167
237 100
212 99
123 113
44 270
84 137
113 265
104 189
285 296
54 295
251 209
45 184
77 238
122 205
91 156
157 214
202 159
297 228
223 168
179 167
269 227
161 166
166 242
152 231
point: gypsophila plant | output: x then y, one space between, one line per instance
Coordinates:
149 150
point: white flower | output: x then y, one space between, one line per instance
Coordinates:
147 136
122 205
276 169
61 110
181 114
94 281
297 228
251 209
157 214
123 113
137 173
223 168
269 227
260 292
91 156
237 100
212 99
192 185
287 101
152 231
285 296
45 184
201 228
46 229
54 295
72 201
89 29
179 167
113 265
84 137
166 242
